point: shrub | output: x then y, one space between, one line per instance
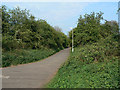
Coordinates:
90 66
21 56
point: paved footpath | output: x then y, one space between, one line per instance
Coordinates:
33 75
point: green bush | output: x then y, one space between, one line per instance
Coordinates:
25 39
90 66
21 56
20 30
90 29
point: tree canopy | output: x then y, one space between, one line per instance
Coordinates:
89 29
20 30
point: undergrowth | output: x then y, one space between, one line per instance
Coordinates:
21 56
90 66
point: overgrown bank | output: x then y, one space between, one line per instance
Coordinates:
23 56
90 66
27 39
94 62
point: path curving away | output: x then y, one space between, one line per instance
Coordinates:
33 75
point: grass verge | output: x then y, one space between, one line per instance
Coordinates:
90 66
21 56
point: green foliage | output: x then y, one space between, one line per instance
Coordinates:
90 30
94 62
21 33
20 30
90 66
24 56
112 26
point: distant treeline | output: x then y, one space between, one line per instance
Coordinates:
20 30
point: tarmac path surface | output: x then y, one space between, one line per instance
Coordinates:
33 75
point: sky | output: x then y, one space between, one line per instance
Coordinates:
119 16
66 14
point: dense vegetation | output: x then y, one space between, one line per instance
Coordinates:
90 30
90 66
24 56
20 30
94 63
